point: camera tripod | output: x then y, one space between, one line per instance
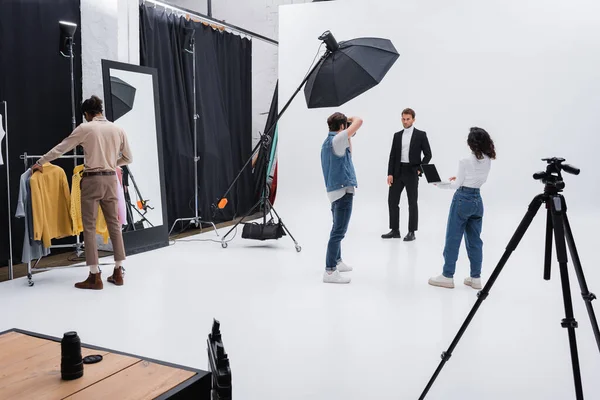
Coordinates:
557 225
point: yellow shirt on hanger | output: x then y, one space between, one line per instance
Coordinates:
101 227
50 205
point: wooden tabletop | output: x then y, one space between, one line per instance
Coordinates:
30 369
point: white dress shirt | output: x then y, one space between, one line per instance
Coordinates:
472 173
406 138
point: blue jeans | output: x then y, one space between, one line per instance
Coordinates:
465 219
341 210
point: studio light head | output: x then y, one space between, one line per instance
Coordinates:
552 177
67 32
329 40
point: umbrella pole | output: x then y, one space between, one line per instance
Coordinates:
265 140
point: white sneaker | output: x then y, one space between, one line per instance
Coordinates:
442 281
342 267
335 277
475 283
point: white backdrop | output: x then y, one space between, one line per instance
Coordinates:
528 72
140 126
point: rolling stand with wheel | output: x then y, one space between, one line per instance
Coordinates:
557 225
267 207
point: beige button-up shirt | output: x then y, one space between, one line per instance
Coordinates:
104 143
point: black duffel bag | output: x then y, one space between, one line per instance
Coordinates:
268 231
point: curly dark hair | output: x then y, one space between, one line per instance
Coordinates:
92 106
481 143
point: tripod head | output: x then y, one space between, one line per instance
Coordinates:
552 177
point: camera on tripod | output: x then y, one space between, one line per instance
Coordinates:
552 176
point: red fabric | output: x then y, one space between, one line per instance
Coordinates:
273 192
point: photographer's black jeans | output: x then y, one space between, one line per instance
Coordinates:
341 210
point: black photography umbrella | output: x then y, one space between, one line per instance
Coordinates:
351 69
345 71
122 96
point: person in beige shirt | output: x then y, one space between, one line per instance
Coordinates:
105 149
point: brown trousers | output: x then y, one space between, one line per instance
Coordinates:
102 190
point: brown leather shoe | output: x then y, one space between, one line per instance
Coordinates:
94 282
117 277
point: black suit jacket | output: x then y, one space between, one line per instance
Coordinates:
419 143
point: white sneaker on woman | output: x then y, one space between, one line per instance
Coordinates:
442 281
475 283
335 277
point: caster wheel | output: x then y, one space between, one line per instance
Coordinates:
298 249
224 245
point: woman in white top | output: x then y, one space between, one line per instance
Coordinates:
466 211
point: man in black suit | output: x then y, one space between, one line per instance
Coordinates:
404 170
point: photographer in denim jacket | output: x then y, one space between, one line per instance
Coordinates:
340 181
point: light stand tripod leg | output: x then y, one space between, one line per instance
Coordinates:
298 247
585 293
180 220
569 322
482 295
223 242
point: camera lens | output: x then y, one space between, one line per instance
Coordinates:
71 364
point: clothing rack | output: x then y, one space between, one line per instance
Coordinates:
78 245
10 252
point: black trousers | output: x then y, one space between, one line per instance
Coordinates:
409 179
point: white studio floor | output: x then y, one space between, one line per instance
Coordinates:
289 336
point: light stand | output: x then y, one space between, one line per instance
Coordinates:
190 42
7 163
265 140
67 33
558 226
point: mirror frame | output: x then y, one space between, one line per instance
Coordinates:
149 238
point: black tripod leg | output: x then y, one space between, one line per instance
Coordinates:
569 322
482 295
241 220
585 293
298 248
548 255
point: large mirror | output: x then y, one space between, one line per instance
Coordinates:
131 102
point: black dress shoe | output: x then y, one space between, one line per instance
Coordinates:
410 237
391 235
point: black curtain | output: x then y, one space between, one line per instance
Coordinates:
35 80
224 104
